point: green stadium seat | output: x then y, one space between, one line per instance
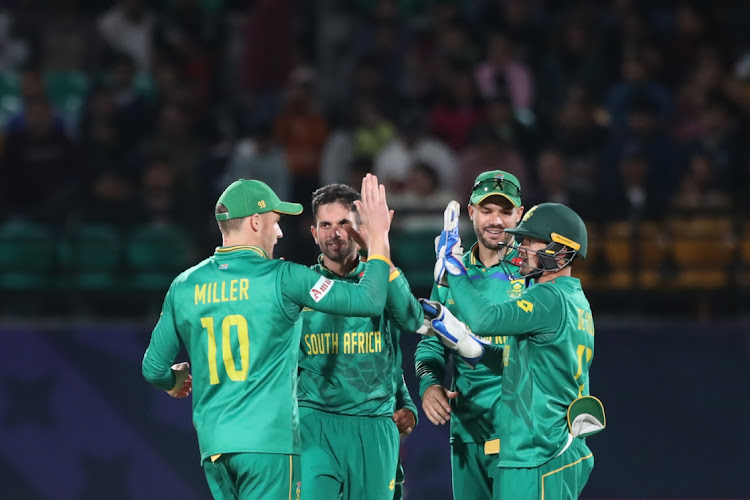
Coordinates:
67 91
27 257
10 96
156 254
91 256
413 251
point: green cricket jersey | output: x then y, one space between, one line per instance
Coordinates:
474 413
546 361
349 365
237 315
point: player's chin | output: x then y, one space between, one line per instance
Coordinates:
493 240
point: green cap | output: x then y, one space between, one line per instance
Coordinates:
496 182
586 416
244 198
554 222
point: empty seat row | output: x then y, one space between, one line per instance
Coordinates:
35 257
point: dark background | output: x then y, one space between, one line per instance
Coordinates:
78 422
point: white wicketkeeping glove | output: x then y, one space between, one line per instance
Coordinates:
448 250
452 332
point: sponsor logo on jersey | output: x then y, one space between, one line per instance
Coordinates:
223 267
392 485
298 490
321 288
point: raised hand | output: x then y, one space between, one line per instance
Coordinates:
375 215
360 235
448 250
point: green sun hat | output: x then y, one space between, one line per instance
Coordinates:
243 198
494 183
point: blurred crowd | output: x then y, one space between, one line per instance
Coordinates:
135 111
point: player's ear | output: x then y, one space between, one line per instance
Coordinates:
519 215
470 209
314 232
255 222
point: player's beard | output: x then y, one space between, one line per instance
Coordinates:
490 242
346 249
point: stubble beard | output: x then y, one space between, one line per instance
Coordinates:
343 254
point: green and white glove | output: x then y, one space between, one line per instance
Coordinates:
448 249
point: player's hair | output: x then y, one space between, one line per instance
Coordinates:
335 193
228 226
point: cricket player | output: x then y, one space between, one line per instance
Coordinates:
471 405
350 376
237 315
546 360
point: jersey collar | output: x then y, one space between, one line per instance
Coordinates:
475 262
241 248
357 269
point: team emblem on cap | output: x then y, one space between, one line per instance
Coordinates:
529 213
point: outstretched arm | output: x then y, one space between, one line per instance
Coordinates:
535 312
401 304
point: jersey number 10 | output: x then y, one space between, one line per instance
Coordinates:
240 324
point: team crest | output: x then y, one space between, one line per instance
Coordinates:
223 267
516 288
529 213
298 490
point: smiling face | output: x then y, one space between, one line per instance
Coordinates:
329 232
491 217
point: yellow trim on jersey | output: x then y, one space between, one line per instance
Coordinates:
472 257
291 476
237 248
563 467
395 274
214 458
380 257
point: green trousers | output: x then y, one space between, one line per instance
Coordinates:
249 476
